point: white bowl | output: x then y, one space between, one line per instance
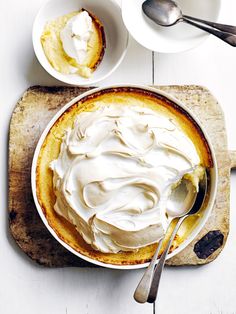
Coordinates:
213 178
116 34
172 39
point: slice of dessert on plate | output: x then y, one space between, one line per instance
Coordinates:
74 43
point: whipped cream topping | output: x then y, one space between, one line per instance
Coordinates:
75 36
114 174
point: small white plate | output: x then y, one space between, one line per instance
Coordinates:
172 39
116 34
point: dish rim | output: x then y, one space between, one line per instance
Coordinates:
212 197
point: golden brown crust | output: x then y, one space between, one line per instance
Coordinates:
50 150
98 25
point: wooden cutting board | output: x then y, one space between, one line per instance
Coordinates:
32 113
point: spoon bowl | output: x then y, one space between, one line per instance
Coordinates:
162 12
181 199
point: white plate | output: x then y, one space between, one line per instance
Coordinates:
207 211
172 39
116 34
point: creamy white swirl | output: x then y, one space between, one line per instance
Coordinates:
114 174
75 36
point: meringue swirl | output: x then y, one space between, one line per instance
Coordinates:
115 171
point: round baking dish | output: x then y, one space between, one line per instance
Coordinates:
212 173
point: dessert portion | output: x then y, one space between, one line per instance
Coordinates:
74 43
107 167
114 173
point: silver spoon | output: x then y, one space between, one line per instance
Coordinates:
196 207
184 197
167 13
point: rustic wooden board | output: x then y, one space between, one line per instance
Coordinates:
32 113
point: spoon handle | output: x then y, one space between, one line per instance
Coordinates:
222 27
158 271
225 36
142 290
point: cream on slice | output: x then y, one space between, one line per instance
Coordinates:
75 37
116 168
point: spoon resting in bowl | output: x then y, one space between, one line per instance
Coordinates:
186 197
167 13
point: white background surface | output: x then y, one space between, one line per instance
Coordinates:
27 288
